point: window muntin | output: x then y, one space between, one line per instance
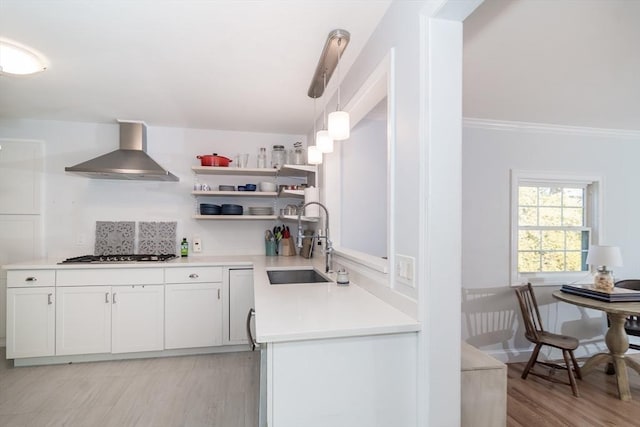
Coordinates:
552 229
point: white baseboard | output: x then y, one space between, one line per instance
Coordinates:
79 358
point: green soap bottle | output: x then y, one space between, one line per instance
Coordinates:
184 247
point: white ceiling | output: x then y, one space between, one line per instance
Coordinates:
247 64
571 62
218 64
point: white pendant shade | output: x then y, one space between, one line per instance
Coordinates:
324 142
314 156
339 125
18 59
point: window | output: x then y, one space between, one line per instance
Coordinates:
553 221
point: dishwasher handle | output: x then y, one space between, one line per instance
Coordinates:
252 342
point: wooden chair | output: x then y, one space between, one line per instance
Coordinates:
632 325
535 333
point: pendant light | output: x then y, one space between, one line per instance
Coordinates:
337 41
339 120
323 140
314 155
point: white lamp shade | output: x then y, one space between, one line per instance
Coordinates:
608 256
324 142
18 59
314 156
339 127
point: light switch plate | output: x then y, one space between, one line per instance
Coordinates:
197 245
405 267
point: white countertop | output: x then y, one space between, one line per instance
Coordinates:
288 312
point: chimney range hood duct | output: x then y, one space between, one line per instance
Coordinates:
130 161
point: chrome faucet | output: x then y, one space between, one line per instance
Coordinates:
328 248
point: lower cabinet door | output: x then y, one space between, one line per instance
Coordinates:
193 315
83 320
30 322
137 318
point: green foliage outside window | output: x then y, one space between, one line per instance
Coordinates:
552 235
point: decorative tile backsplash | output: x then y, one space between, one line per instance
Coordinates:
157 238
115 237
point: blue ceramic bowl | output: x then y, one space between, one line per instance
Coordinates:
250 187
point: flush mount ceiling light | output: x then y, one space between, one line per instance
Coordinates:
337 41
17 59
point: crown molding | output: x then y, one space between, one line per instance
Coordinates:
503 125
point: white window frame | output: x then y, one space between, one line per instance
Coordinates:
593 204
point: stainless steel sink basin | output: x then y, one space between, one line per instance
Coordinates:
284 277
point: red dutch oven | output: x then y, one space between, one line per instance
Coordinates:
214 160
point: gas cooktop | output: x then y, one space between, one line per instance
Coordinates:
97 259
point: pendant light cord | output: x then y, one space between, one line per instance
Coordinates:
338 61
314 121
324 116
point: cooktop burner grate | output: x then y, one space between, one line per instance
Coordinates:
118 258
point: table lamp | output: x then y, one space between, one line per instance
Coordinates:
603 257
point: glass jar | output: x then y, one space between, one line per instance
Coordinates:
298 156
262 158
603 280
278 156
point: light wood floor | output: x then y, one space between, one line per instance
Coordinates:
209 390
536 402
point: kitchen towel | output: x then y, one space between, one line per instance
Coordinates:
312 194
115 237
157 238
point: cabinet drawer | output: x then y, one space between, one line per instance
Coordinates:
111 276
29 278
193 274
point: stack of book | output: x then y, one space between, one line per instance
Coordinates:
614 295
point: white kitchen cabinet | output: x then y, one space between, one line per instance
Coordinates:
83 320
30 322
137 318
366 381
240 301
193 315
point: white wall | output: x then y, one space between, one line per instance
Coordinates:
428 99
364 189
72 204
400 29
490 150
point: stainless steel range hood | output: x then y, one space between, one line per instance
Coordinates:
130 161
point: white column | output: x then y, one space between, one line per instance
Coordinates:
440 212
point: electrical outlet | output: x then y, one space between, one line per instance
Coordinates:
405 270
197 245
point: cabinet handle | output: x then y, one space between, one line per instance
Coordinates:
49 299
193 276
106 297
252 343
218 293
114 298
31 279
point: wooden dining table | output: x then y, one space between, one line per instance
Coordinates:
616 338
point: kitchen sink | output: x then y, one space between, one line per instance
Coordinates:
284 277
